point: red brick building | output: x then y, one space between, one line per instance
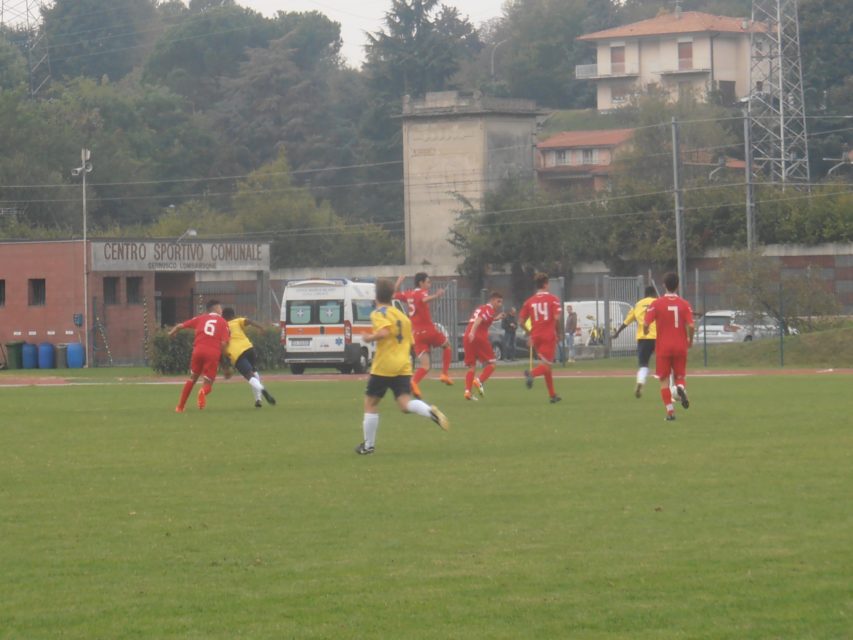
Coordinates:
134 287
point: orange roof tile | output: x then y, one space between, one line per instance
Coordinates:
670 23
587 139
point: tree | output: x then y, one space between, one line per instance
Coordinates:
267 204
420 48
13 65
98 38
539 49
193 56
527 230
756 285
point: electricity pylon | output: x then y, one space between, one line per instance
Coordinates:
20 21
777 112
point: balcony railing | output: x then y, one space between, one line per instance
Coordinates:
588 71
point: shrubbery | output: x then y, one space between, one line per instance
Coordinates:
172 355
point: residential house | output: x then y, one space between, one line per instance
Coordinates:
681 52
580 158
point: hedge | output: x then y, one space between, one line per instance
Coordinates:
172 355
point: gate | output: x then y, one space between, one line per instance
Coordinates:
616 290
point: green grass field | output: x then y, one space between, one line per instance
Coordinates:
592 518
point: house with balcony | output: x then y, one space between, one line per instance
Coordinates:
685 52
580 158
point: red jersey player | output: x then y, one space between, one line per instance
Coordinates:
674 320
543 311
211 340
477 345
424 331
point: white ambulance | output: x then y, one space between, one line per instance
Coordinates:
323 322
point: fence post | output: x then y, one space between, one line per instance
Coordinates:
606 316
781 328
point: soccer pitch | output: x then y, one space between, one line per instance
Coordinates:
591 518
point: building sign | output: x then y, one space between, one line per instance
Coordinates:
123 255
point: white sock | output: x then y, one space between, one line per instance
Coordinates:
370 426
642 374
418 407
257 387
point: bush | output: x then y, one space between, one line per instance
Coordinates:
171 356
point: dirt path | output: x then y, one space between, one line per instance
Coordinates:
15 379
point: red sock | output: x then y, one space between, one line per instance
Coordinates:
207 388
420 374
487 372
445 360
469 379
666 395
539 371
549 382
185 393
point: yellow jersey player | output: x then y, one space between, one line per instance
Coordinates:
645 342
391 368
241 353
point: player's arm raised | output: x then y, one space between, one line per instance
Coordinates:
433 296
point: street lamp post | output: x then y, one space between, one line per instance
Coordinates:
83 170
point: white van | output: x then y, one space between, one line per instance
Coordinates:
591 323
323 323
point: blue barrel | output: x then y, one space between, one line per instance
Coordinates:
75 355
47 356
30 356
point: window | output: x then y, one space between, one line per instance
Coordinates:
331 311
134 290
110 290
361 310
562 157
37 292
2 293
685 55
298 312
727 92
589 156
620 93
617 60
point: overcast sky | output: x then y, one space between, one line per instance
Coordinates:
358 16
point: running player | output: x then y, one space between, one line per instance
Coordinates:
241 353
211 339
391 368
674 318
645 342
543 311
426 334
477 345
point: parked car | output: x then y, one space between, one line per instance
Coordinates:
726 326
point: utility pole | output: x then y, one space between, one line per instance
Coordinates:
679 206
83 170
750 188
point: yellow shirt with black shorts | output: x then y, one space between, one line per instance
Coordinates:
392 362
638 314
645 342
239 342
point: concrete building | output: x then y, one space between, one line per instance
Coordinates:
580 158
456 148
134 288
682 52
